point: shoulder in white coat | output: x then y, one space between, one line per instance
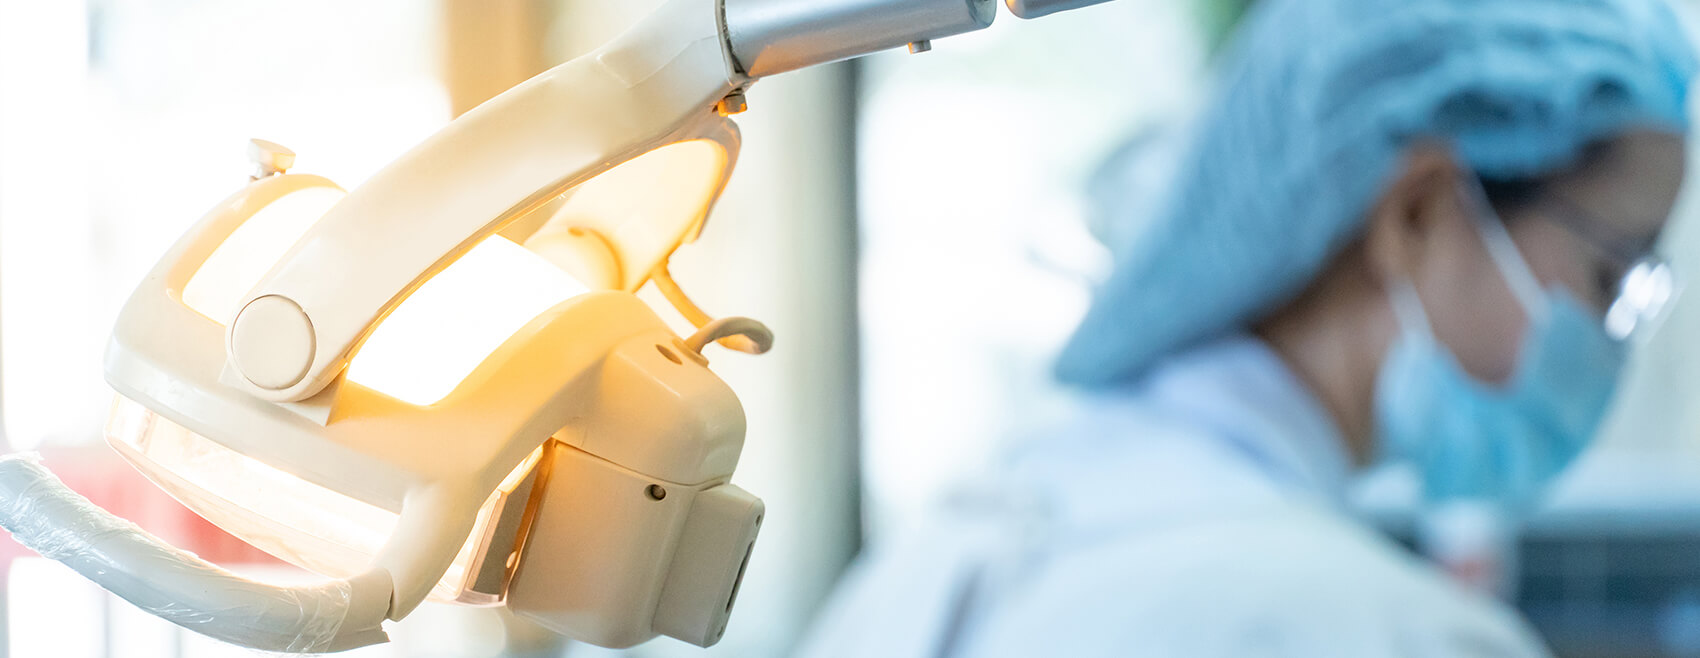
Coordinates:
1294 582
1196 516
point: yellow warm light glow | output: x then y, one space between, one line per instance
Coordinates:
252 249
643 206
303 523
445 329
435 338
299 522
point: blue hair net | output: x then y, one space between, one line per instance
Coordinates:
1319 100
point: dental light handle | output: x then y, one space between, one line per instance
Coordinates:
178 586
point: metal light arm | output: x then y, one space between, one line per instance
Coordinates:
774 36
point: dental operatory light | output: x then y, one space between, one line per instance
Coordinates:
441 384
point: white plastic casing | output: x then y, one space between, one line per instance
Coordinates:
702 584
611 545
269 383
653 86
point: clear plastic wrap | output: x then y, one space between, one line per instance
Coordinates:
176 585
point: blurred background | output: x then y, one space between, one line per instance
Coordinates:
911 226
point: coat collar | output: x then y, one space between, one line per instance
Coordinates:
1240 392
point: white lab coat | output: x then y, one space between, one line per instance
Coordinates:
1197 514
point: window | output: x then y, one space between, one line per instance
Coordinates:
976 263
121 123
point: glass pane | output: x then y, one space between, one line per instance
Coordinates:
976 261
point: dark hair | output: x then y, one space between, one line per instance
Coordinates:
1509 195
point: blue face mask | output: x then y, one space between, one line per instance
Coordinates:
1473 440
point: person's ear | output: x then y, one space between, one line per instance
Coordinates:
1417 202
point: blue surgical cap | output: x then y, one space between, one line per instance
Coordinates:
1319 100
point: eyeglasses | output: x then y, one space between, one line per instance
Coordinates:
1644 286
1647 285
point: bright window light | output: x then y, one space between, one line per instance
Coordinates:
117 131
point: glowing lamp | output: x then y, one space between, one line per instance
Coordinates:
441 383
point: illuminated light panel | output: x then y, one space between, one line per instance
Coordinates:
438 335
459 317
252 249
295 520
300 522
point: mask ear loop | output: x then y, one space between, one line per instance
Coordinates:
1408 308
1507 258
